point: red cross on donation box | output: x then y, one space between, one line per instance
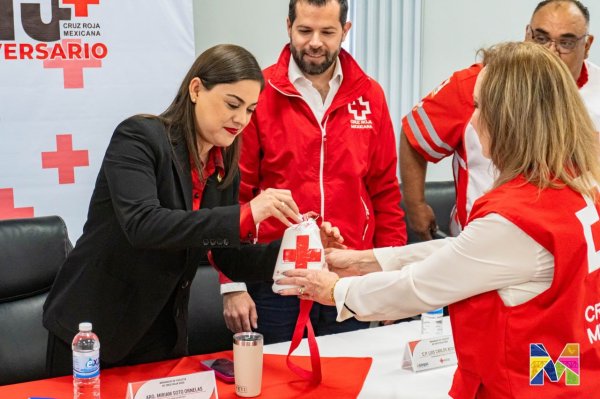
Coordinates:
302 254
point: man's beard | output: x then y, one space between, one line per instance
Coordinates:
309 67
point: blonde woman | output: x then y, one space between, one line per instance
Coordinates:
526 268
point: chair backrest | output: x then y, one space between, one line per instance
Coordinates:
31 252
207 331
441 196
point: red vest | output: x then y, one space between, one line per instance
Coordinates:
493 340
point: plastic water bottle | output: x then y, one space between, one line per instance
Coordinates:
86 363
432 323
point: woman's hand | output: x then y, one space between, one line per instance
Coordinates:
350 262
331 237
316 285
239 311
277 203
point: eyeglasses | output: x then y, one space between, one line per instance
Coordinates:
563 45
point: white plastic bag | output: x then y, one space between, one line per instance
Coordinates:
301 248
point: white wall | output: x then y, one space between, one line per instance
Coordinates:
454 30
452 37
257 25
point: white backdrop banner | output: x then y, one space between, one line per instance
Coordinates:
70 71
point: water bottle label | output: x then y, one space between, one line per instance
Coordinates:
86 365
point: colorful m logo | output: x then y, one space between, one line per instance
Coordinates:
541 363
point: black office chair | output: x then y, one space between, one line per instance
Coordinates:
207 331
441 196
31 252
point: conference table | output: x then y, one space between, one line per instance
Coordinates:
370 359
386 345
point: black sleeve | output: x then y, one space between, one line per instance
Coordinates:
249 263
143 185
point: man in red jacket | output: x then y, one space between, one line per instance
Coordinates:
321 129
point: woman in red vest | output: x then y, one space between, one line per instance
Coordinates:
523 278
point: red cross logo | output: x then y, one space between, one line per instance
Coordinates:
7 206
73 67
302 254
359 108
590 221
65 159
81 6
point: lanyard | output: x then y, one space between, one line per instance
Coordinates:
303 322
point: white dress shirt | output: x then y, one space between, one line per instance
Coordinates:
491 253
310 94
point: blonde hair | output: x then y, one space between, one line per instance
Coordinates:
537 123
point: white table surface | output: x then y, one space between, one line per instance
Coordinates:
386 345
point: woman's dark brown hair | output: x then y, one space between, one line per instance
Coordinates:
224 63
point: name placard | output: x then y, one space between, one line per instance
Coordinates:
199 385
429 353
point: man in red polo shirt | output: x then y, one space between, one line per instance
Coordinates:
439 125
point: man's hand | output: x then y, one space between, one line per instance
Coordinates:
413 169
239 312
331 237
422 220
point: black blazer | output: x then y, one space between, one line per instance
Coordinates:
141 237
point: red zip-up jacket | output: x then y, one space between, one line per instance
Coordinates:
342 167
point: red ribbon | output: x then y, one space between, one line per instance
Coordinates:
313 376
302 255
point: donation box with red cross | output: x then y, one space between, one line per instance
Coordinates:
301 248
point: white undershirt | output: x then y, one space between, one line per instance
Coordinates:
491 253
309 93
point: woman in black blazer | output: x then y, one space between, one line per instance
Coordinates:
166 194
